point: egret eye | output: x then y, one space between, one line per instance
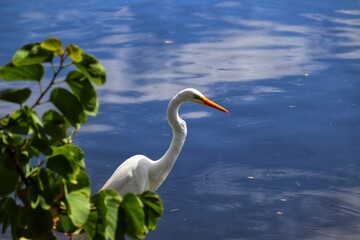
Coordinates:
197 97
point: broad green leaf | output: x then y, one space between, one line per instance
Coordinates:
135 217
9 180
42 143
84 91
63 166
104 220
54 45
92 69
68 105
82 184
74 52
90 225
53 117
67 161
55 125
33 118
36 223
19 95
31 54
78 208
34 195
73 152
65 224
24 121
77 198
32 72
153 208
10 139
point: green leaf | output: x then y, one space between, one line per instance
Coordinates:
32 72
68 105
65 224
55 125
92 69
82 184
54 45
16 122
36 223
24 121
135 217
19 95
78 208
31 54
84 91
74 52
153 208
104 218
77 198
9 180
34 196
7 206
67 161
42 143
63 166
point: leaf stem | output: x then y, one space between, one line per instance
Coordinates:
56 73
17 166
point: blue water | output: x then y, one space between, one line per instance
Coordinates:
283 165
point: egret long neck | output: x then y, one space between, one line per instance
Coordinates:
163 166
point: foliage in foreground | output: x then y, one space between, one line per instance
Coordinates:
44 185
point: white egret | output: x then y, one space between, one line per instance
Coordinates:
139 173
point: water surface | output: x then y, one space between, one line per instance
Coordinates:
283 165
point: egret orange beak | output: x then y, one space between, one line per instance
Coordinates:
210 103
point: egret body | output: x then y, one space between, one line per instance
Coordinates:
139 173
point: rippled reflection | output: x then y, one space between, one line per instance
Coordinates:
297 199
230 55
283 165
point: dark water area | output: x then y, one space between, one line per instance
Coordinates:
283 165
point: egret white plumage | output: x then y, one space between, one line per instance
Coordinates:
139 173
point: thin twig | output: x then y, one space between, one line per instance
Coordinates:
56 72
17 166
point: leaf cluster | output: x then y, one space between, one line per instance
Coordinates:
44 185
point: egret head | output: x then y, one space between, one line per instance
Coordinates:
193 95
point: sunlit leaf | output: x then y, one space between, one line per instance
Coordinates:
92 69
32 118
77 198
31 54
68 105
11 72
79 208
153 208
67 161
74 52
135 217
19 95
84 91
82 184
53 44
104 218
